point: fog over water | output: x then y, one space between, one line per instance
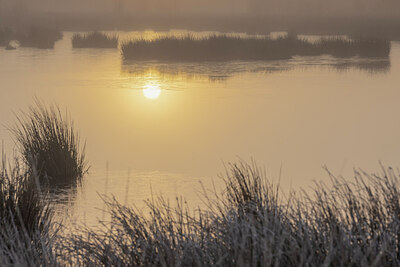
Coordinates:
173 125
208 7
359 17
199 132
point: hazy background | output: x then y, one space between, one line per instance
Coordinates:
373 17
212 7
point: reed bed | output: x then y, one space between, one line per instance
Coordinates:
49 143
36 37
346 224
227 48
43 38
94 40
2 37
26 222
250 223
5 35
363 47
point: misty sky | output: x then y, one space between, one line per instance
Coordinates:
212 7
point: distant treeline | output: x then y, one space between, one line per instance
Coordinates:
223 48
94 40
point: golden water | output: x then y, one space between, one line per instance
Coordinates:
174 125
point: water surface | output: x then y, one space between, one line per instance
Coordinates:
172 126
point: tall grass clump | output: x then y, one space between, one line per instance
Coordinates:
38 37
49 143
26 222
226 48
348 223
94 40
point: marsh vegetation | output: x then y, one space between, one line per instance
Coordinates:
94 40
43 38
350 222
228 48
198 81
251 224
27 229
49 144
5 35
35 37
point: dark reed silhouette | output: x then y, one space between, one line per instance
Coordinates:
6 34
363 47
49 143
94 40
43 38
227 48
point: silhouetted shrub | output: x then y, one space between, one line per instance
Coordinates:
94 40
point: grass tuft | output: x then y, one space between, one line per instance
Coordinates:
49 143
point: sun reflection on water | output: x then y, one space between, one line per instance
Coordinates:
152 91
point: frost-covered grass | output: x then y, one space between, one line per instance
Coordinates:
27 230
349 223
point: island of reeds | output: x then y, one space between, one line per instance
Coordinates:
352 222
94 40
230 48
5 35
35 37
43 38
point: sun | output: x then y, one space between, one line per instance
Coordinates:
152 91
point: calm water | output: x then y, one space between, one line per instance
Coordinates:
173 126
